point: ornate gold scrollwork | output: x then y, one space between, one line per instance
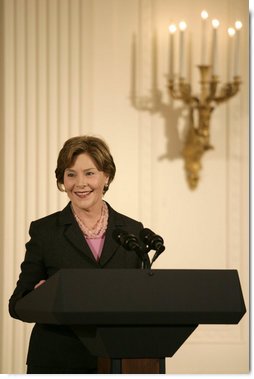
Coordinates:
198 137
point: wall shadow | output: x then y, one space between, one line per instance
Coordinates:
175 119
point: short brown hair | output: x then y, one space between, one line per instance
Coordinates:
95 147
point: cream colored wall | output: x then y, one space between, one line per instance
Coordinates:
68 70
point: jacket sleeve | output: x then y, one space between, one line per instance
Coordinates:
32 269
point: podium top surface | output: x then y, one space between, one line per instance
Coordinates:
135 297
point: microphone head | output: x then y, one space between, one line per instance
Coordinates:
150 238
153 241
127 240
130 242
145 234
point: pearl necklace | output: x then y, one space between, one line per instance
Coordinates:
99 228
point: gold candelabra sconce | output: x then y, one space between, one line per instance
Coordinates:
198 137
212 93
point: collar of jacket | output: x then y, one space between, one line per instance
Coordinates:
76 238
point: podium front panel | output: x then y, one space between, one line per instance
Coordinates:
136 297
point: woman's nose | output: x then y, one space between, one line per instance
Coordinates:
81 182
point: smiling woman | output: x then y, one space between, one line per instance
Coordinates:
96 148
79 236
84 185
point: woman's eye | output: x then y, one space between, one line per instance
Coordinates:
90 173
70 175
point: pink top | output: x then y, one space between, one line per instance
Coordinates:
96 245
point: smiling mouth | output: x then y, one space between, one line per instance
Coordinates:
82 194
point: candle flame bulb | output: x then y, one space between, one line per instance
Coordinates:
182 25
204 15
238 25
215 23
172 28
231 32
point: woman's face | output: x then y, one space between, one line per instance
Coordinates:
84 184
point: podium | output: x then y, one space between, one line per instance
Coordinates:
127 316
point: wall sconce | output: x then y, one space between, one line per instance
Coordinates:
211 94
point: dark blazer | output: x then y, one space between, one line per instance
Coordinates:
57 242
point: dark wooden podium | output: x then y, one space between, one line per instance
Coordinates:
133 319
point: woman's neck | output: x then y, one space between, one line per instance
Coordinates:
95 225
89 216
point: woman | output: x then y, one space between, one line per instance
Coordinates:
80 236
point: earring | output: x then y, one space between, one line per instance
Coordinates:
105 187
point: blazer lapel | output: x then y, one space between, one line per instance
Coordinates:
75 237
73 233
110 245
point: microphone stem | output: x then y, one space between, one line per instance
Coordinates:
142 253
146 261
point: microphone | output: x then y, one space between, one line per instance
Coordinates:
153 241
130 242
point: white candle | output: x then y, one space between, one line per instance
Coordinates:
182 27
172 30
204 16
214 55
238 26
231 33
